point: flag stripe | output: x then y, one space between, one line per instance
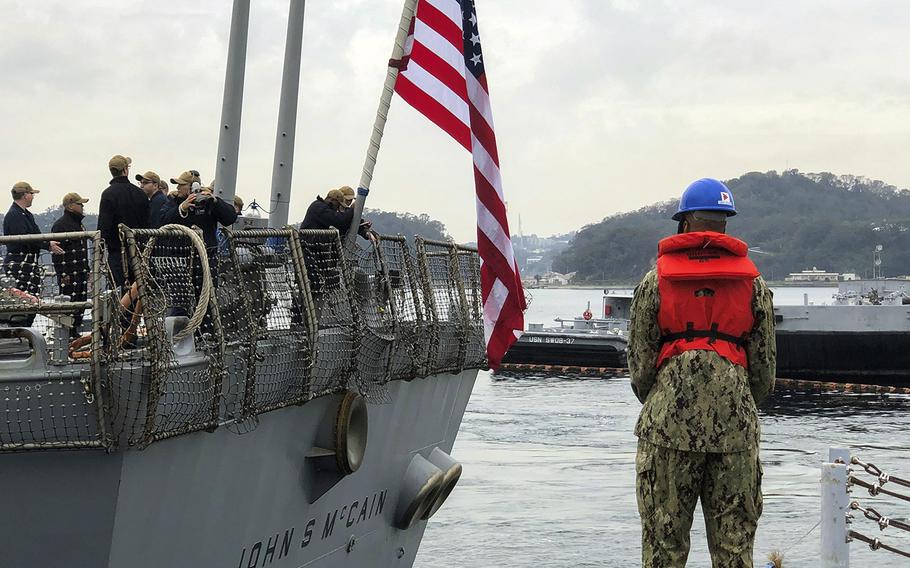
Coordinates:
439 45
494 260
496 299
447 7
441 22
486 166
436 67
438 91
484 133
477 94
488 196
489 226
433 110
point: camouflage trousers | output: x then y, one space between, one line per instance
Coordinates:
670 482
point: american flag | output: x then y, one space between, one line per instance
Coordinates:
442 76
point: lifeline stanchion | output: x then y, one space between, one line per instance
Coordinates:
835 547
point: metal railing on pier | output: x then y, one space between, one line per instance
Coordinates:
841 512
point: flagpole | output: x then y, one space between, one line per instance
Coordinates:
385 101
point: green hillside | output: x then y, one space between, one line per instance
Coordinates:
798 220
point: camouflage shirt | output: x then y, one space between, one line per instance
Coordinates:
698 401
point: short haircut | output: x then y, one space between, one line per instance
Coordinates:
115 172
17 193
716 216
707 220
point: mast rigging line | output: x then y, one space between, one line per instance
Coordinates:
382 113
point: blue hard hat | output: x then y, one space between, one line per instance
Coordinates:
706 194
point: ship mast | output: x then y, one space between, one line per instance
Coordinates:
283 166
232 104
385 101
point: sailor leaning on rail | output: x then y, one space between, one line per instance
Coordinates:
335 211
701 356
21 262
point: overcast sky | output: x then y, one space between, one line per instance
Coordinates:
600 106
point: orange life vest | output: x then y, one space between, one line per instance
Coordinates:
705 284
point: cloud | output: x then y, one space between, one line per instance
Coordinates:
600 106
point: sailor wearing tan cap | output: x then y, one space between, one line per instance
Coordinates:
195 205
335 211
150 184
71 267
22 259
121 202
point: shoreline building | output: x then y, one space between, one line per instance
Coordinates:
813 275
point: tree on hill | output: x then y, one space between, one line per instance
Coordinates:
795 220
407 224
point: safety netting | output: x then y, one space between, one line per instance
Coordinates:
204 337
49 294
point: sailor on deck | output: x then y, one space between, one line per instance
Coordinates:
701 356
335 211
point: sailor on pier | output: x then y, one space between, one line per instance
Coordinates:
701 357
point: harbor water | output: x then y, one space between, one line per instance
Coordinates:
549 468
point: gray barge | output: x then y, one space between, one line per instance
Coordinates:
861 337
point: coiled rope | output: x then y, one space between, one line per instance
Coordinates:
205 294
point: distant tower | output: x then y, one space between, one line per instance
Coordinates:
520 232
877 263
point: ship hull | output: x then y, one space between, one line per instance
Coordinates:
231 500
854 343
868 357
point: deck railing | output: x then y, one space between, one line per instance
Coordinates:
279 318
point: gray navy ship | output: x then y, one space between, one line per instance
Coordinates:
291 400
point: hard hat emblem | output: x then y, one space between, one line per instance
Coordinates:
725 199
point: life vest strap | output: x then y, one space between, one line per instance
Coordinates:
712 334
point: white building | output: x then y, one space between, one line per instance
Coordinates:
814 275
556 278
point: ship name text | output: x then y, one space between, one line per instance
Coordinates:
273 548
561 340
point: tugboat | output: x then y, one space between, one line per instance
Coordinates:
583 341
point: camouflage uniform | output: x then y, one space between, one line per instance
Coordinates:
698 436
